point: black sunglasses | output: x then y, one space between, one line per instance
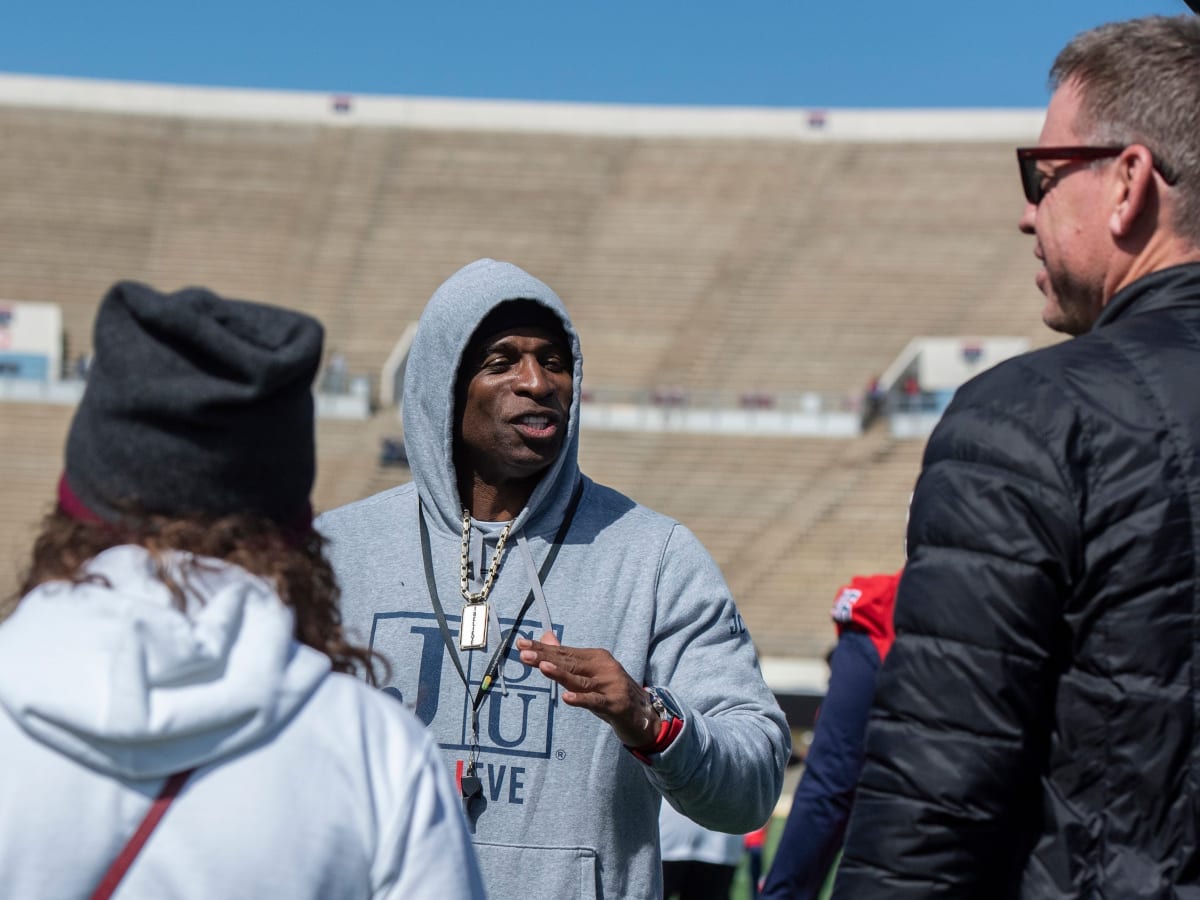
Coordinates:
1036 183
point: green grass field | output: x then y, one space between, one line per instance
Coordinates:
741 881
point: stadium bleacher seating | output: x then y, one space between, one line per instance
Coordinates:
751 265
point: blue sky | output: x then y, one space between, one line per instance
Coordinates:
752 53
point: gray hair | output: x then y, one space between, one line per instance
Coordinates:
1139 83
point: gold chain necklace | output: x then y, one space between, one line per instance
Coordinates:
465 569
472 633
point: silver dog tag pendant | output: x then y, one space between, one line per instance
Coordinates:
472 634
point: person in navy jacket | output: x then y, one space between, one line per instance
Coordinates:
820 810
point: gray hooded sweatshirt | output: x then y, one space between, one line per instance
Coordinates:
565 810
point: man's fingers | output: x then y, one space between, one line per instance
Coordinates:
592 701
535 653
593 680
548 639
566 675
549 650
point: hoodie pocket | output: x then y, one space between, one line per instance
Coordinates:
555 873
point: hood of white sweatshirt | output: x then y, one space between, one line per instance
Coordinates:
113 674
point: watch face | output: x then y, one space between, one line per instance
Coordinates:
664 703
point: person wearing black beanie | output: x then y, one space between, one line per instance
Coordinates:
176 658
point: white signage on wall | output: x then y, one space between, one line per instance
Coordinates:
30 341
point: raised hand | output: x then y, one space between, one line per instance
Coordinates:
593 680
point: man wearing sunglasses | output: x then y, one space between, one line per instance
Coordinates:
1036 727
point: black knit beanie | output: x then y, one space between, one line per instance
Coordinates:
195 405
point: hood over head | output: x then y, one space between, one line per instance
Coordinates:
111 673
444 332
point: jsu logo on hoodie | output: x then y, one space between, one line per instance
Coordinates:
515 719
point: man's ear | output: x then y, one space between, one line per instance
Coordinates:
1133 186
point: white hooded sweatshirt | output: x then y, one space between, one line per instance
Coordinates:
309 784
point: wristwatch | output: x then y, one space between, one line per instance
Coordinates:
663 703
670 719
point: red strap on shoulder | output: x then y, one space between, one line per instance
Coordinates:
170 790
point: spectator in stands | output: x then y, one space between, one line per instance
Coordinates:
1035 727
500 539
816 824
177 638
913 399
873 400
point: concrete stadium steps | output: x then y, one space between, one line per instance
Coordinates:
848 252
700 263
348 460
681 225
852 524
79 197
788 520
233 212
446 199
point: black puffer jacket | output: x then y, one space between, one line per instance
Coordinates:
1035 733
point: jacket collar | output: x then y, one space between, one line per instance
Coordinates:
1171 287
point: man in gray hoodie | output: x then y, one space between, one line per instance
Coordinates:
536 621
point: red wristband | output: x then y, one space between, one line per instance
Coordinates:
667 732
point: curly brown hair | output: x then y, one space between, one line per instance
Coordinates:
294 562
